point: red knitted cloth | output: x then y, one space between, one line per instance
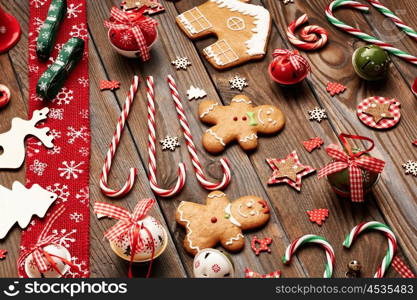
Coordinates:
65 168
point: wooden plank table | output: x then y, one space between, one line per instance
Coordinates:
393 200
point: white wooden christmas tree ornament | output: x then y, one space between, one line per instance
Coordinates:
195 93
12 142
20 203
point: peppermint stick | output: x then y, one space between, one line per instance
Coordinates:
191 146
392 243
359 34
152 151
113 148
315 239
310 41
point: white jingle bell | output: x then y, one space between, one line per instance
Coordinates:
160 239
32 270
212 263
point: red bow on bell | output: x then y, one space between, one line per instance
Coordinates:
121 20
128 223
354 162
294 57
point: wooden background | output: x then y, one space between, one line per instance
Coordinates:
393 200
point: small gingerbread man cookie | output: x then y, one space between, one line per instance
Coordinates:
220 221
240 121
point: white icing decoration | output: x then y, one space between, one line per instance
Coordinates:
236 23
222 54
211 132
228 211
241 100
240 212
189 231
198 18
256 44
250 137
236 238
216 195
211 107
259 117
268 113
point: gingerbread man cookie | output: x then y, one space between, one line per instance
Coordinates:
240 121
242 30
220 220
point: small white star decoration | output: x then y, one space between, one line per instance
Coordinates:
317 114
181 63
195 93
238 83
410 167
169 143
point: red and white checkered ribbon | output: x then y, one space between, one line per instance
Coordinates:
400 266
294 57
354 162
121 20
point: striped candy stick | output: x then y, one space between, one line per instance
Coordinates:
310 40
359 34
392 242
152 150
113 148
315 239
191 146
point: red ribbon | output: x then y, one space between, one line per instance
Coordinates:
294 57
354 162
128 224
42 258
137 23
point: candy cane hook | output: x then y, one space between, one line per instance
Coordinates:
362 35
113 148
191 146
152 150
392 243
315 239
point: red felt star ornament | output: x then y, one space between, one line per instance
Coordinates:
318 215
3 253
335 88
313 143
288 170
109 85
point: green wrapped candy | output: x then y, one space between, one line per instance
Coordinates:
49 29
370 62
341 184
52 80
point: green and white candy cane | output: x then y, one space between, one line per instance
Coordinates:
392 242
312 239
362 35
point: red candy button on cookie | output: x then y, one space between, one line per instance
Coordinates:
379 112
4 95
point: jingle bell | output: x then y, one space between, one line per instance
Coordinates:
283 71
57 251
370 62
212 263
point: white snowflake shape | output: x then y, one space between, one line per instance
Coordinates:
238 83
56 113
70 170
410 167
64 96
83 81
76 217
82 271
84 113
181 63
38 167
83 195
64 237
54 150
195 93
79 31
61 190
55 133
317 114
83 151
35 97
37 3
73 10
75 134
33 147
169 143
43 85
126 38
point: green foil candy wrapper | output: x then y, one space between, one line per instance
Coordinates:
52 80
49 29
371 62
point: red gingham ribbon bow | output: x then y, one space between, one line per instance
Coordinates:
128 223
120 20
42 258
354 162
295 58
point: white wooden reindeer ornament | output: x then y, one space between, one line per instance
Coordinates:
12 142
20 203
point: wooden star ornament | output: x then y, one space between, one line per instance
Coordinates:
379 111
288 170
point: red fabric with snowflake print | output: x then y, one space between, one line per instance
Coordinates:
63 169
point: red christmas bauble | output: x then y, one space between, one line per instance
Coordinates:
282 70
4 95
125 39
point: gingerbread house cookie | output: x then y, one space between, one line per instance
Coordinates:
242 30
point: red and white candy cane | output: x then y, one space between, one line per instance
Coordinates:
152 150
191 146
313 36
113 148
315 239
392 242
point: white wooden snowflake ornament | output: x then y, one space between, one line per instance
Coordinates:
195 93
410 167
169 143
238 83
317 114
181 63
